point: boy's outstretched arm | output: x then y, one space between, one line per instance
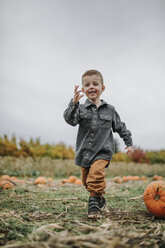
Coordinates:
71 114
120 127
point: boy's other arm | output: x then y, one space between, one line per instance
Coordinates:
120 127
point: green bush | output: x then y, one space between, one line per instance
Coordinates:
156 157
120 157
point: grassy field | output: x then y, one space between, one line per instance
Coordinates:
55 215
27 167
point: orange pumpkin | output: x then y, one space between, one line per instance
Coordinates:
154 198
4 184
117 180
41 180
125 179
135 178
5 177
157 178
1 182
72 179
160 178
64 181
129 178
78 182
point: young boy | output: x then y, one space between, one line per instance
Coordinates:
95 144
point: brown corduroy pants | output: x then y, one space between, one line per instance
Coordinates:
93 178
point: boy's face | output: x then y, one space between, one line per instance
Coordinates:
92 87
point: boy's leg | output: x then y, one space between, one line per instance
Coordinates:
84 174
95 182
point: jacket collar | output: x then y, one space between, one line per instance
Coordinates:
89 103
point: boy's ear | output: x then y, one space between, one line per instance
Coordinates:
82 89
103 87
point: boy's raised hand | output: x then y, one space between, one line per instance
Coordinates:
77 94
129 149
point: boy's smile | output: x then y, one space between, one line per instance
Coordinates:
92 88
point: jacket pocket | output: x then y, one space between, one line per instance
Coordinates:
85 120
105 121
85 116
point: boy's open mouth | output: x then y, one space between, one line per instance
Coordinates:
92 92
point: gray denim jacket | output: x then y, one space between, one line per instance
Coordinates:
95 137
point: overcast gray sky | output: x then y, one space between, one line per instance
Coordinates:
45 47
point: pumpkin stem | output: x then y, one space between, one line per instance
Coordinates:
156 197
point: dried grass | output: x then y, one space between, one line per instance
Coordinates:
110 234
64 168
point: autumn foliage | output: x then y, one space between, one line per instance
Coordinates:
34 149
140 156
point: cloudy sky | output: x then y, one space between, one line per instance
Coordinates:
45 47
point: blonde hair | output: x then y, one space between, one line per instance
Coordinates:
93 72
